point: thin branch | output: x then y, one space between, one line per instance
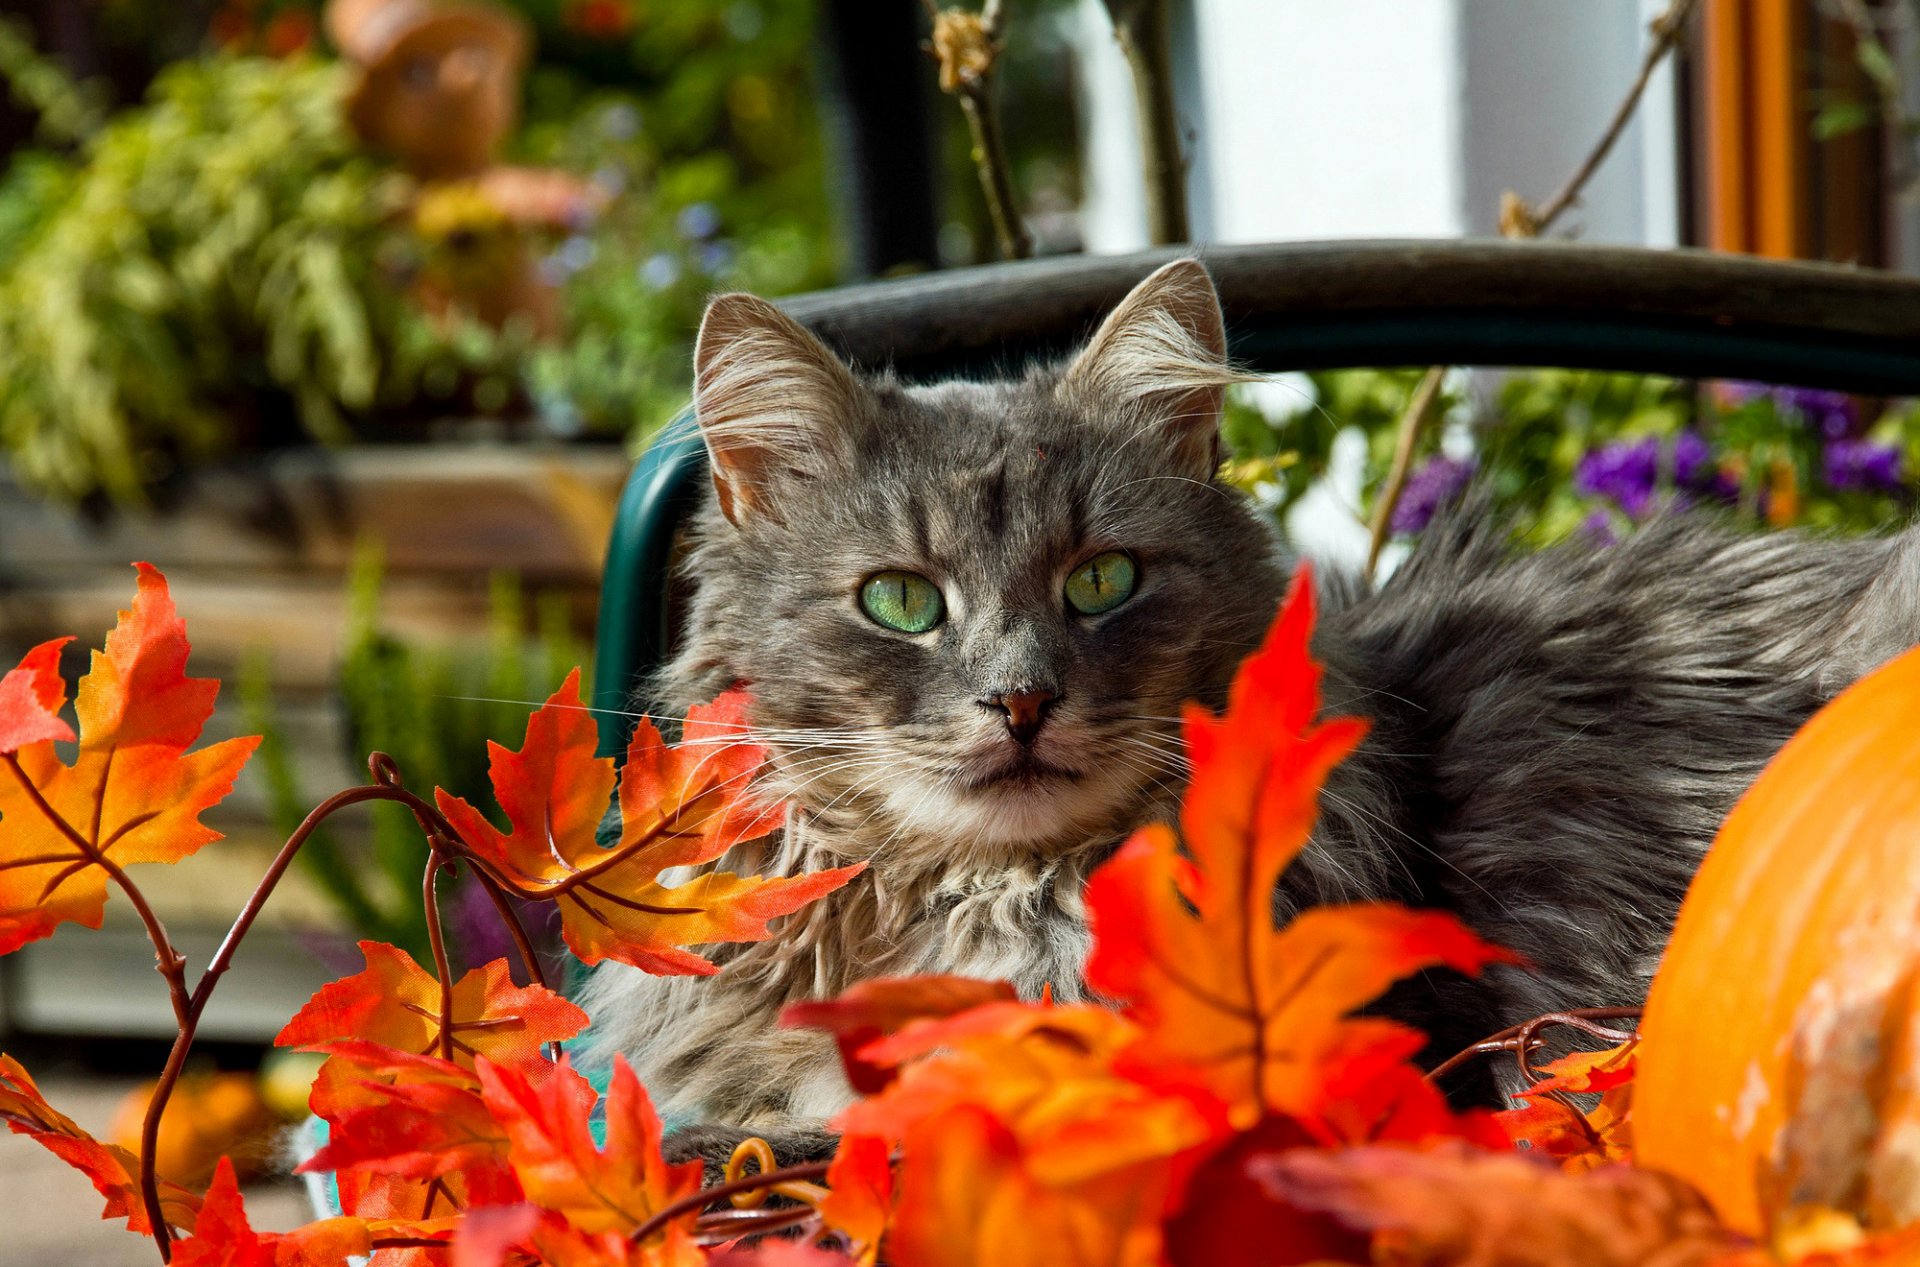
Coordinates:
967 47
1518 219
385 788
1668 30
437 942
707 1196
1412 427
1524 1039
1141 28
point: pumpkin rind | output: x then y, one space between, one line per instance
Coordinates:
1792 955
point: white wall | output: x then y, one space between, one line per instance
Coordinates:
1389 118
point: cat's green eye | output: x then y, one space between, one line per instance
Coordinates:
1102 583
905 601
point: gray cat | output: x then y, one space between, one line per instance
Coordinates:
969 614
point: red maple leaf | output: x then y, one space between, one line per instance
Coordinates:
860 1194
1183 925
868 1010
113 1170
551 1148
30 699
133 793
396 1002
679 807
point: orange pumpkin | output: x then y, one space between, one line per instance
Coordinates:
1778 1071
209 1116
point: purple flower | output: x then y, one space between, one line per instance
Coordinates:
1695 470
1429 488
1832 414
1863 466
698 221
1597 528
1628 471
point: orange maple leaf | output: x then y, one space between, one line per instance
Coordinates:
969 1196
113 1170
859 1194
1185 936
1579 1140
420 1130
551 1148
679 807
396 1002
412 1142
224 1237
872 1009
526 1236
133 793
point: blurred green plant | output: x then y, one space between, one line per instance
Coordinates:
1561 452
700 120
217 267
203 273
431 708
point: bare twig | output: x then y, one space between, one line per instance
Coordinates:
385 787
1524 1039
1519 219
967 47
1413 426
1141 29
719 1192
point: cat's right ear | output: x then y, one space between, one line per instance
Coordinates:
771 400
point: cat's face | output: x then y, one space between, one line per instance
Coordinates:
969 613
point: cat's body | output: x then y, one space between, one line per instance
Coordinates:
1555 736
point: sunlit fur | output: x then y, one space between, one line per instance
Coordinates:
1555 735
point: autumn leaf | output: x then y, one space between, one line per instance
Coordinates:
969 1196
551 1148
859 1194
113 1171
396 1002
31 697
868 1010
420 1130
133 793
1183 925
1045 1073
223 1236
679 807
1551 1127
410 1142
1223 1216
1455 1206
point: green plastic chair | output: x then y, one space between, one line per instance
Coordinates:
1302 306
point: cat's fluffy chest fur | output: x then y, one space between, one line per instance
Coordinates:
1555 737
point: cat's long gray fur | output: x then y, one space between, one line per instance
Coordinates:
1555 737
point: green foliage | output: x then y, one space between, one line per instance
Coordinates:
1563 451
207 261
219 266
700 120
433 709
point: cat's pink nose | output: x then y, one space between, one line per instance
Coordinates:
1025 711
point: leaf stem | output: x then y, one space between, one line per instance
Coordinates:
385 787
1519 220
169 961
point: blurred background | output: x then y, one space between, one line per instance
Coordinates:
351 317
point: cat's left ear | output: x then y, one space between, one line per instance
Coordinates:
1160 360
